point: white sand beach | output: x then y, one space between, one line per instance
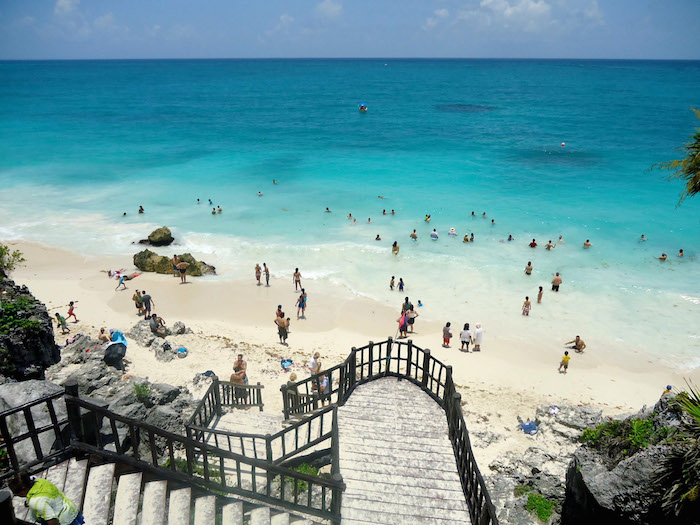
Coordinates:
509 377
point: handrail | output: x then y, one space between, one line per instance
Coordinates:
403 360
218 469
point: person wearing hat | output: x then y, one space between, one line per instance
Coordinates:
45 501
478 336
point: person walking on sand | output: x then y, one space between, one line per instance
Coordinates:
147 302
526 306
137 302
403 325
71 312
267 274
61 321
297 279
411 315
182 268
539 295
258 273
528 268
478 337
556 282
578 344
564 362
446 335
465 337
301 306
121 283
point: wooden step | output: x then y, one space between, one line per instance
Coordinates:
154 509
232 514
98 494
126 506
205 510
74 487
179 508
280 519
260 516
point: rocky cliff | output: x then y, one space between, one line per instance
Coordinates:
27 345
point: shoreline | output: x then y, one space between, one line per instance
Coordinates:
510 377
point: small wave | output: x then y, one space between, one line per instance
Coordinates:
463 108
690 298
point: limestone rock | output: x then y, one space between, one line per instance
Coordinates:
141 333
162 393
160 237
179 328
164 351
19 393
149 261
27 344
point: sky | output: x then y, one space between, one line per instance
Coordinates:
109 29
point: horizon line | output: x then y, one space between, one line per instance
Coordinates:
86 59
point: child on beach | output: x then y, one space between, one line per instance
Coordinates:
478 336
446 335
391 283
71 312
400 284
61 321
526 306
564 362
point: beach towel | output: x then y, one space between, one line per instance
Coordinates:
529 427
286 364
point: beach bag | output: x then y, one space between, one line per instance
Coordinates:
114 353
182 352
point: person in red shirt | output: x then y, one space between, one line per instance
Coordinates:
533 244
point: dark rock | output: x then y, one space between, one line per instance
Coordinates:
27 344
19 393
149 261
164 352
162 393
160 237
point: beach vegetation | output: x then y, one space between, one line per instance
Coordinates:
197 470
686 169
679 473
12 315
536 502
300 486
142 391
621 438
9 260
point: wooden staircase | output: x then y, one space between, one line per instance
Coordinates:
109 498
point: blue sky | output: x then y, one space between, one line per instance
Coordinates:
64 29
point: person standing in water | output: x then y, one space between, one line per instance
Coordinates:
587 244
539 295
391 283
414 235
528 268
395 248
556 282
297 279
301 306
400 284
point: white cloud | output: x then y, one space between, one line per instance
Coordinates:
65 6
433 20
104 21
329 9
285 21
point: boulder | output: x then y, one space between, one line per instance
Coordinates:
19 393
179 328
160 237
27 344
141 333
162 393
164 351
149 261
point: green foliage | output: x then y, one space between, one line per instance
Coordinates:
679 474
142 391
197 470
686 169
9 260
522 489
619 439
304 468
540 505
11 318
7 367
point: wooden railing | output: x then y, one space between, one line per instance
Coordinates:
310 432
403 360
21 419
221 394
142 446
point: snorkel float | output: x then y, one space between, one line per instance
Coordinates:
363 108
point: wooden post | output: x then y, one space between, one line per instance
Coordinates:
341 386
268 457
387 364
258 393
217 396
7 512
449 386
371 360
409 357
74 420
336 499
426 367
285 401
353 366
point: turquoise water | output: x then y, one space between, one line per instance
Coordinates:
82 142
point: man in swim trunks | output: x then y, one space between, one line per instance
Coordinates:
549 245
414 235
176 261
587 244
267 274
578 344
556 282
146 301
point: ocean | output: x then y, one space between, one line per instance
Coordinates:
81 142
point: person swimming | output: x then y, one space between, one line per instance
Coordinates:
218 209
420 303
473 214
587 244
141 210
427 218
377 238
327 210
680 252
642 238
213 211
533 244
663 257
260 194
393 212
349 215
383 212
452 232
414 235
210 202
434 235
510 238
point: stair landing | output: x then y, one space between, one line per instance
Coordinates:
396 458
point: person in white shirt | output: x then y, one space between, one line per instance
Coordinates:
313 367
465 337
478 336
